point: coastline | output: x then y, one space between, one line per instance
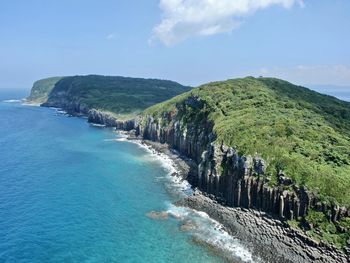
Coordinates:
204 230
270 239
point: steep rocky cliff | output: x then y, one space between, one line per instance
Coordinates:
255 143
238 181
235 179
41 89
104 99
110 120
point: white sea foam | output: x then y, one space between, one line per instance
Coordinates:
55 108
98 125
122 139
174 184
208 231
31 104
59 111
12 101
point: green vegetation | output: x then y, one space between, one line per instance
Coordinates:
296 130
117 95
41 89
322 229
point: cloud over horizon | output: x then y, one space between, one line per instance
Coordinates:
182 19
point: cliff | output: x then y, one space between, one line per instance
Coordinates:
233 179
104 100
264 144
110 120
191 124
41 89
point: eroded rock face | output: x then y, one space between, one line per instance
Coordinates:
105 118
272 240
71 106
75 108
224 175
241 183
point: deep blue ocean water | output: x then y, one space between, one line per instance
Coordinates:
72 192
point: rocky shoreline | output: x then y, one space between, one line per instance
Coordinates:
269 238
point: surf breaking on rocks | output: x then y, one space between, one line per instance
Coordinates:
202 229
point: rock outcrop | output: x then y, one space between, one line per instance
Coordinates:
105 118
224 175
72 106
269 239
75 108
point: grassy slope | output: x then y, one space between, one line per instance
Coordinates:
120 95
299 131
41 89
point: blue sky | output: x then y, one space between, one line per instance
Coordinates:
189 41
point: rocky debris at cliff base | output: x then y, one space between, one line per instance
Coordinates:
162 215
265 236
184 166
215 250
269 238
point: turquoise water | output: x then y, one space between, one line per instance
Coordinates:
71 192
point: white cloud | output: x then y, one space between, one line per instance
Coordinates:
186 18
311 74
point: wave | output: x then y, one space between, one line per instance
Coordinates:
173 183
122 139
59 112
98 125
203 229
25 102
208 232
12 101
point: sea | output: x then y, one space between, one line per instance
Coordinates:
74 192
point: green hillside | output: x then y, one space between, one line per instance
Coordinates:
120 95
41 89
298 131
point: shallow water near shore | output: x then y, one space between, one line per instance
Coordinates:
73 192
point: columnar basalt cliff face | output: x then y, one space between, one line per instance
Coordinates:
189 138
224 175
299 132
240 181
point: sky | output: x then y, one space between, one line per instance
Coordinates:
190 41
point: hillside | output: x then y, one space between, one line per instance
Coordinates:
41 89
117 95
297 130
258 143
298 133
